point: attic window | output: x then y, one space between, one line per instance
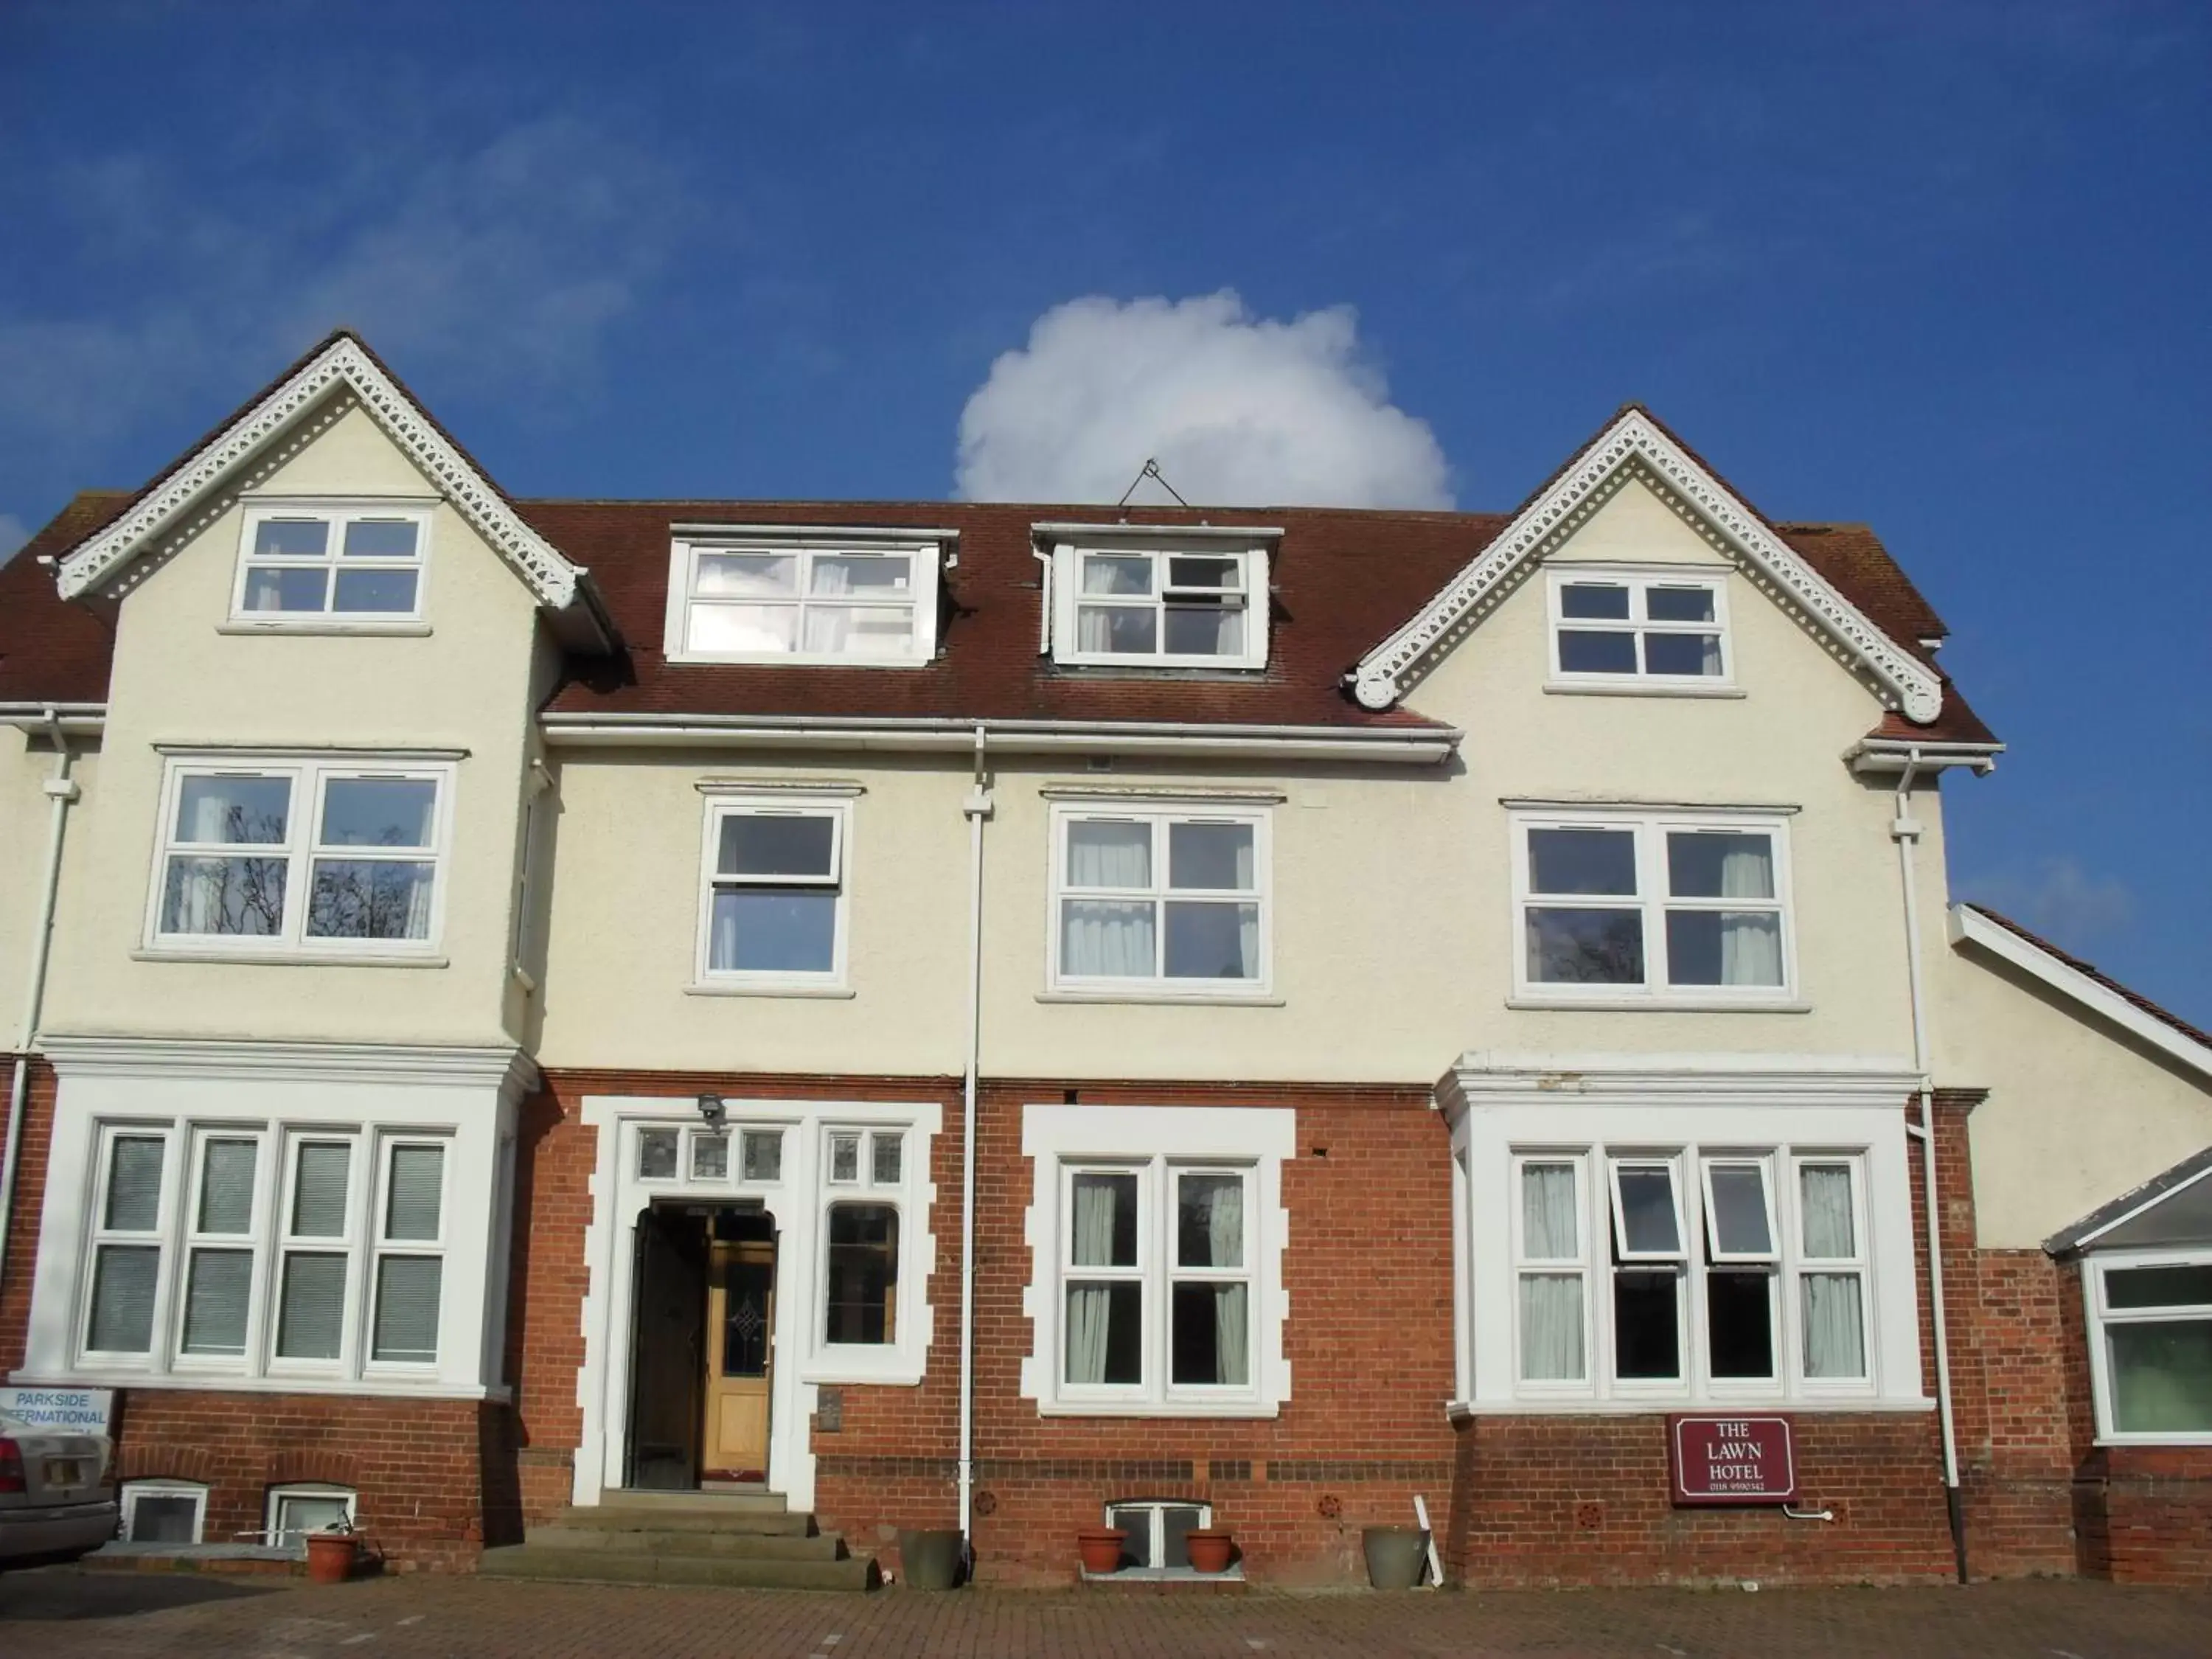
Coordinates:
805 596
1657 628
1200 603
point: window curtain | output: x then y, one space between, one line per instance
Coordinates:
1090 1306
1751 940
1827 1202
1104 937
1110 854
1224 1230
1094 628
423 880
1551 1304
829 628
1835 1322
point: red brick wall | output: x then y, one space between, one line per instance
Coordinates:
16 1272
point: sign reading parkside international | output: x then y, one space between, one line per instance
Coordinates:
1732 1459
77 1411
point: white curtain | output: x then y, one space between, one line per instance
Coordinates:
1102 853
1232 1337
1547 1212
1551 1304
1751 940
1827 1189
1103 937
1090 1307
1225 1223
418 900
829 628
1835 1320
1094 628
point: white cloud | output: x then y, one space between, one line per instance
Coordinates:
1237 409
2057 897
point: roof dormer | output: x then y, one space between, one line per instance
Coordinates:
1153 596
805 593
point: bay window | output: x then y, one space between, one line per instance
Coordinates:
804 595
1172 900
126 1246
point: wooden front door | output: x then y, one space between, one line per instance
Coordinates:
740 1359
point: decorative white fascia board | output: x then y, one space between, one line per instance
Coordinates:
341 365
706 530
1884 757
1052 531
1488 1077
1967 925
504 1067
1634 445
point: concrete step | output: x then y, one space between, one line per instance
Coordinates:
640 1567
753 1545
629 1518
750 1500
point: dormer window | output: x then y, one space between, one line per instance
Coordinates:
350 563
802 596
1174 602
1648 627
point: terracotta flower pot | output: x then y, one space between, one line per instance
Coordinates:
1100 1548
330 1557
1210 1549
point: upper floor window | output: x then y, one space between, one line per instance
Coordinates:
1661 629
1175 901
1191 604
352 562
330 858
1652 905
802 597
773 908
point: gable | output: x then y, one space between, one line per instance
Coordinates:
1634 449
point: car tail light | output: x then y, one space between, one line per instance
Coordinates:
11 1467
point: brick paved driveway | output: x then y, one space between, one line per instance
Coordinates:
60 1613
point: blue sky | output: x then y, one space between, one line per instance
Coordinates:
1937 267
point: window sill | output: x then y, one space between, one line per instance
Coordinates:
1825 1405
1244 1410
1145 995
289 958
325 626
1636 689
235 1383
769 989
795 659
1659 1004
2151 1442
831 1373
1232 1574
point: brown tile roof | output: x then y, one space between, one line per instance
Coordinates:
50 651
2163 1016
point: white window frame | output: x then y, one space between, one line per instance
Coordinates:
1067 597
98 1235
300 850
132 1491
1062 1140
349 1243
1637 579
2101 1316
805 543
863 1189
272 1509
384 1247
839 810
1155 1537
1157 986
1654 900
334 513
256 1242
1528 1264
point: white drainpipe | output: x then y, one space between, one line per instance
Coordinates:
1905 830
61 790
977 806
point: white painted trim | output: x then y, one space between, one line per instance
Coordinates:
1254 569
1633 445
1151 534
837 807
1569 1080
333 513
1969 926
1886 757
162 1486
165 513
925 557
504 1067
2093 1268
2087 1240
1635 579
1644 687
307 623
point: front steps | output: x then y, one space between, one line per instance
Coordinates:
742 1540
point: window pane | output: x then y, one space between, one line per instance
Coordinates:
710 1157
1606 601
1120 628
1193 571
1210 856
1103 1231
762 1150
281 589
1646 1336
1584 653
1835 1327
1105 852
1739 1217
1583 861
1740 1324
406 1330
1209 1221
1105 1333
1552 1327
1177 1522
215 1300
227 1187
1678 604
2162 1377
374 593
747 575
1585 947
863 1288
887 1152
1647 1210
418 1174
838 574
318 1194
741 629
773 930
379 538
1723 947
1549 1231
134 1183
1685 654
241 896
234 811
854 630
379 811
163 1518
1103 939
1209 1336
776 844
1719 864
311 1314
2186 1285
1213 631
1213 941
291 538
748 1290
1117 573
656 1154
360 898
1824 1197
123 1278
844 1158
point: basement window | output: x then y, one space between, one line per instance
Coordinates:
1158 1532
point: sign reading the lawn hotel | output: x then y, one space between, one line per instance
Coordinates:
1732 1459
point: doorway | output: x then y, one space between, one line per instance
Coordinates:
703 1354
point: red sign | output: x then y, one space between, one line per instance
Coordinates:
1732 1459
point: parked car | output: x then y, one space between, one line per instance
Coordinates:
56 1498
